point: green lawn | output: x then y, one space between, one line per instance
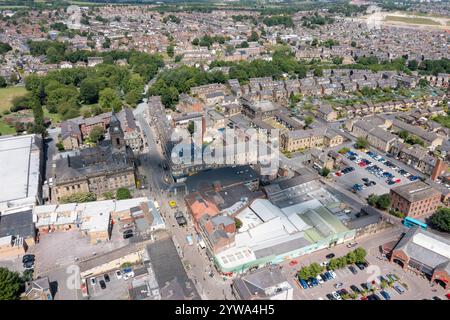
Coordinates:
6 129
7 94
54 117
413 20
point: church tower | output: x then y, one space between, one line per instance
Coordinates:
116 133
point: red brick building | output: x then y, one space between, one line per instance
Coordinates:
424 253
415 199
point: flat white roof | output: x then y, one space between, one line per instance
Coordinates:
19 168
432 244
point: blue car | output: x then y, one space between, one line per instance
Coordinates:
314 282
328 275
303 284
413 178
385 295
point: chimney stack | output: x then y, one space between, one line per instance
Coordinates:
439 168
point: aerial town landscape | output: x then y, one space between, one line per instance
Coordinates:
225 150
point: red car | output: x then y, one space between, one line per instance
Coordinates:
448 296
293 263
397 180
338 173
364 298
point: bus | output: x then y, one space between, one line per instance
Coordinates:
410 222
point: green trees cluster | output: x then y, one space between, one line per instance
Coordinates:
123 193
78 197
382 202
411 138
441 220
208 41
277 20
4 47
10 284
172 82
434 66
64 91
361 143
171 18
316 20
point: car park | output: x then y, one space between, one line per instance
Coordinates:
338 285
324 277
330 296
360 266
102 284
332 274
118 274
106 277
93 281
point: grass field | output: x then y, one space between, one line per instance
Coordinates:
6 129
7 94
413 20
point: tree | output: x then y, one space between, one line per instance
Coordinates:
333 264
361 143
10 284
109 195
372 200
238 223
304 273
441 220
360 255
109 99
254 36
96 134
350 257
3 83
412 65
89 90
191 127
133 97
195 42
318 72
384 201
353 44
170 51
403 134
325 172
308 120
123 193
315 269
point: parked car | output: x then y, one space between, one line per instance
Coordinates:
319 279
324 277
399 288
330 256
28 265
28 257
332 274
373 297
330 296
436 298
385 295
118 274
106 276
336 295
303 284
355 289
93 281
102 284
360 266
127 235
352 269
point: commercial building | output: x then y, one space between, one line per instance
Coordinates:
264 284
17 231
424 252
415 199
21 160
297 219
311 138
105 167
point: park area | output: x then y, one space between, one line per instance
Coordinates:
6 97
